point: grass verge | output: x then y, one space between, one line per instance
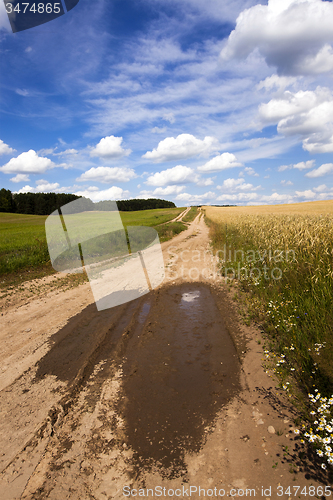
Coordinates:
168 231
191 215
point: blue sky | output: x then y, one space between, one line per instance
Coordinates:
194 101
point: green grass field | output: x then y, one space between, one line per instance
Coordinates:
150 218
23 245
22 242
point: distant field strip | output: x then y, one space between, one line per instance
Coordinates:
191 215
23 242
283 256
150 218
307 208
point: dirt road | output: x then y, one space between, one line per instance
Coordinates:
179 217
166 391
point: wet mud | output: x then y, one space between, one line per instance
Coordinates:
179 367
183 370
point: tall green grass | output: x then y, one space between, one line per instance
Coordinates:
191 215
168 231
22 242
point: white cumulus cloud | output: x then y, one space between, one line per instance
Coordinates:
113 193
5 149
180 147
167 191
27 163
295 36
236 185
287 183
107 174
205 182
321 188
251 171
42 187
308 194
20 178
220 162
291 104
282 168
276 197
302 165
110 147
196 198
326 168
175 175
308 115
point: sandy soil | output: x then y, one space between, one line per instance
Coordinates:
165 391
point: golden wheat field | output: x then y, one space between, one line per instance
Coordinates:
310 208
285 255
304 228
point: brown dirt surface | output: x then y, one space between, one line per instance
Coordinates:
167 391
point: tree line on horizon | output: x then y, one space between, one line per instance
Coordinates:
46 203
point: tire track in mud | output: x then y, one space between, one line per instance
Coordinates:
150 391
148 376
173 386
105 388
75 351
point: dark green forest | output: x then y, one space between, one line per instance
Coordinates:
134 205
46 203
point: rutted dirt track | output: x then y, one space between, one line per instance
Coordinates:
167 390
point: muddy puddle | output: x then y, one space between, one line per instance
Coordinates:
183 370
179 367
